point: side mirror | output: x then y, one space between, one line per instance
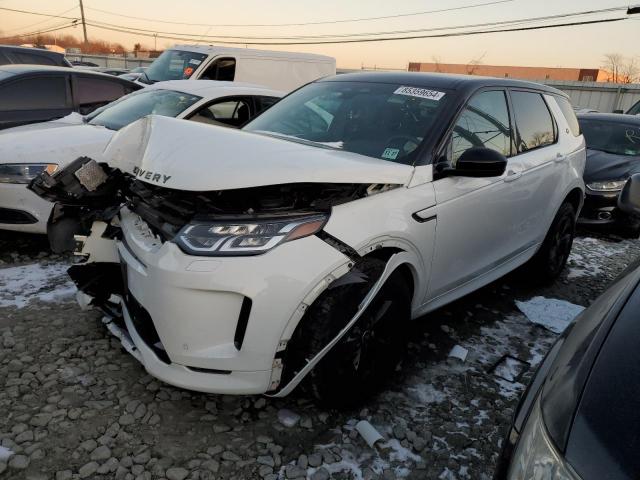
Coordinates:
480 162
629 199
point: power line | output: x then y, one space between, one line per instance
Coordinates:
324 22
380 39
250 39
36 13
41 21
40 32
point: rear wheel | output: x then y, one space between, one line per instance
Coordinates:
550 260
370 351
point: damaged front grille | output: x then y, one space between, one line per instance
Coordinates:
167 211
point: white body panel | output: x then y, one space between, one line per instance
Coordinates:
62 141
274 69
455 234
224 159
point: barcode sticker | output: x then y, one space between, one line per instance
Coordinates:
420 93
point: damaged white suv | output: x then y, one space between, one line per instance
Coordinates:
242 262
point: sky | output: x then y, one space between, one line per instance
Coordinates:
578 46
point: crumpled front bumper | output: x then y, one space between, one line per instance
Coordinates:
215 324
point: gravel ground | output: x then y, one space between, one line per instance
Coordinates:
75 405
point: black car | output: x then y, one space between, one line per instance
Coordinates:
33 93
34 56
613 155
580 418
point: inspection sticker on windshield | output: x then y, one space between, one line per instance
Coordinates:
390 153
420 93
195 61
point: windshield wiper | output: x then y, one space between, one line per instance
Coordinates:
148 80
292 138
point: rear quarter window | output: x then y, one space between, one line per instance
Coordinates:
569 115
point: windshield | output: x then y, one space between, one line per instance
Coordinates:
172 65
612 137
134 106
384 121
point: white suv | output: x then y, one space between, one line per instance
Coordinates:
304 244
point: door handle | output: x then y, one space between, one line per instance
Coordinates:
560 158
512 175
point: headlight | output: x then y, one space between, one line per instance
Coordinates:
232 238
535 457
24 172
610 186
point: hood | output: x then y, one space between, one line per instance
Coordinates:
185 155
609 166
59 144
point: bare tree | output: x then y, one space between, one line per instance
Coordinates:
621 69
630 71
474 64
437 62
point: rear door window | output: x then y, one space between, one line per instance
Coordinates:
534 123
37 93
483 123
21 57
92 93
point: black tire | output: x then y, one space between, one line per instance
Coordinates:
550 260
369 353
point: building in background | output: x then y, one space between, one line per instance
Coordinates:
523 73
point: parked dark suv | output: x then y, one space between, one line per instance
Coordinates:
34 56
35 93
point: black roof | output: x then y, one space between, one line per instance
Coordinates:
39 51
16 69
611 117
462 83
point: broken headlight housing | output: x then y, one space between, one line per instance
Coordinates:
24 172
536 457
251 237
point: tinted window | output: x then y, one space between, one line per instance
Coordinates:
635 110
612 137
384 121
137 105
533 120
34 94
223 69
4 59
21 57
483 123
234 112
262 103
95 92
569 115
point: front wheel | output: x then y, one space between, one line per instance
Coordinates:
370 351
550 260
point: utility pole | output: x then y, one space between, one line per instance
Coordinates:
84 24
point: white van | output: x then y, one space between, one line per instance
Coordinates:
278 70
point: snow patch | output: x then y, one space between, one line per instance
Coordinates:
5 453
553 314
398 453
427 393
46 283
288 418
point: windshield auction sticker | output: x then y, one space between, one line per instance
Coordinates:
420 93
